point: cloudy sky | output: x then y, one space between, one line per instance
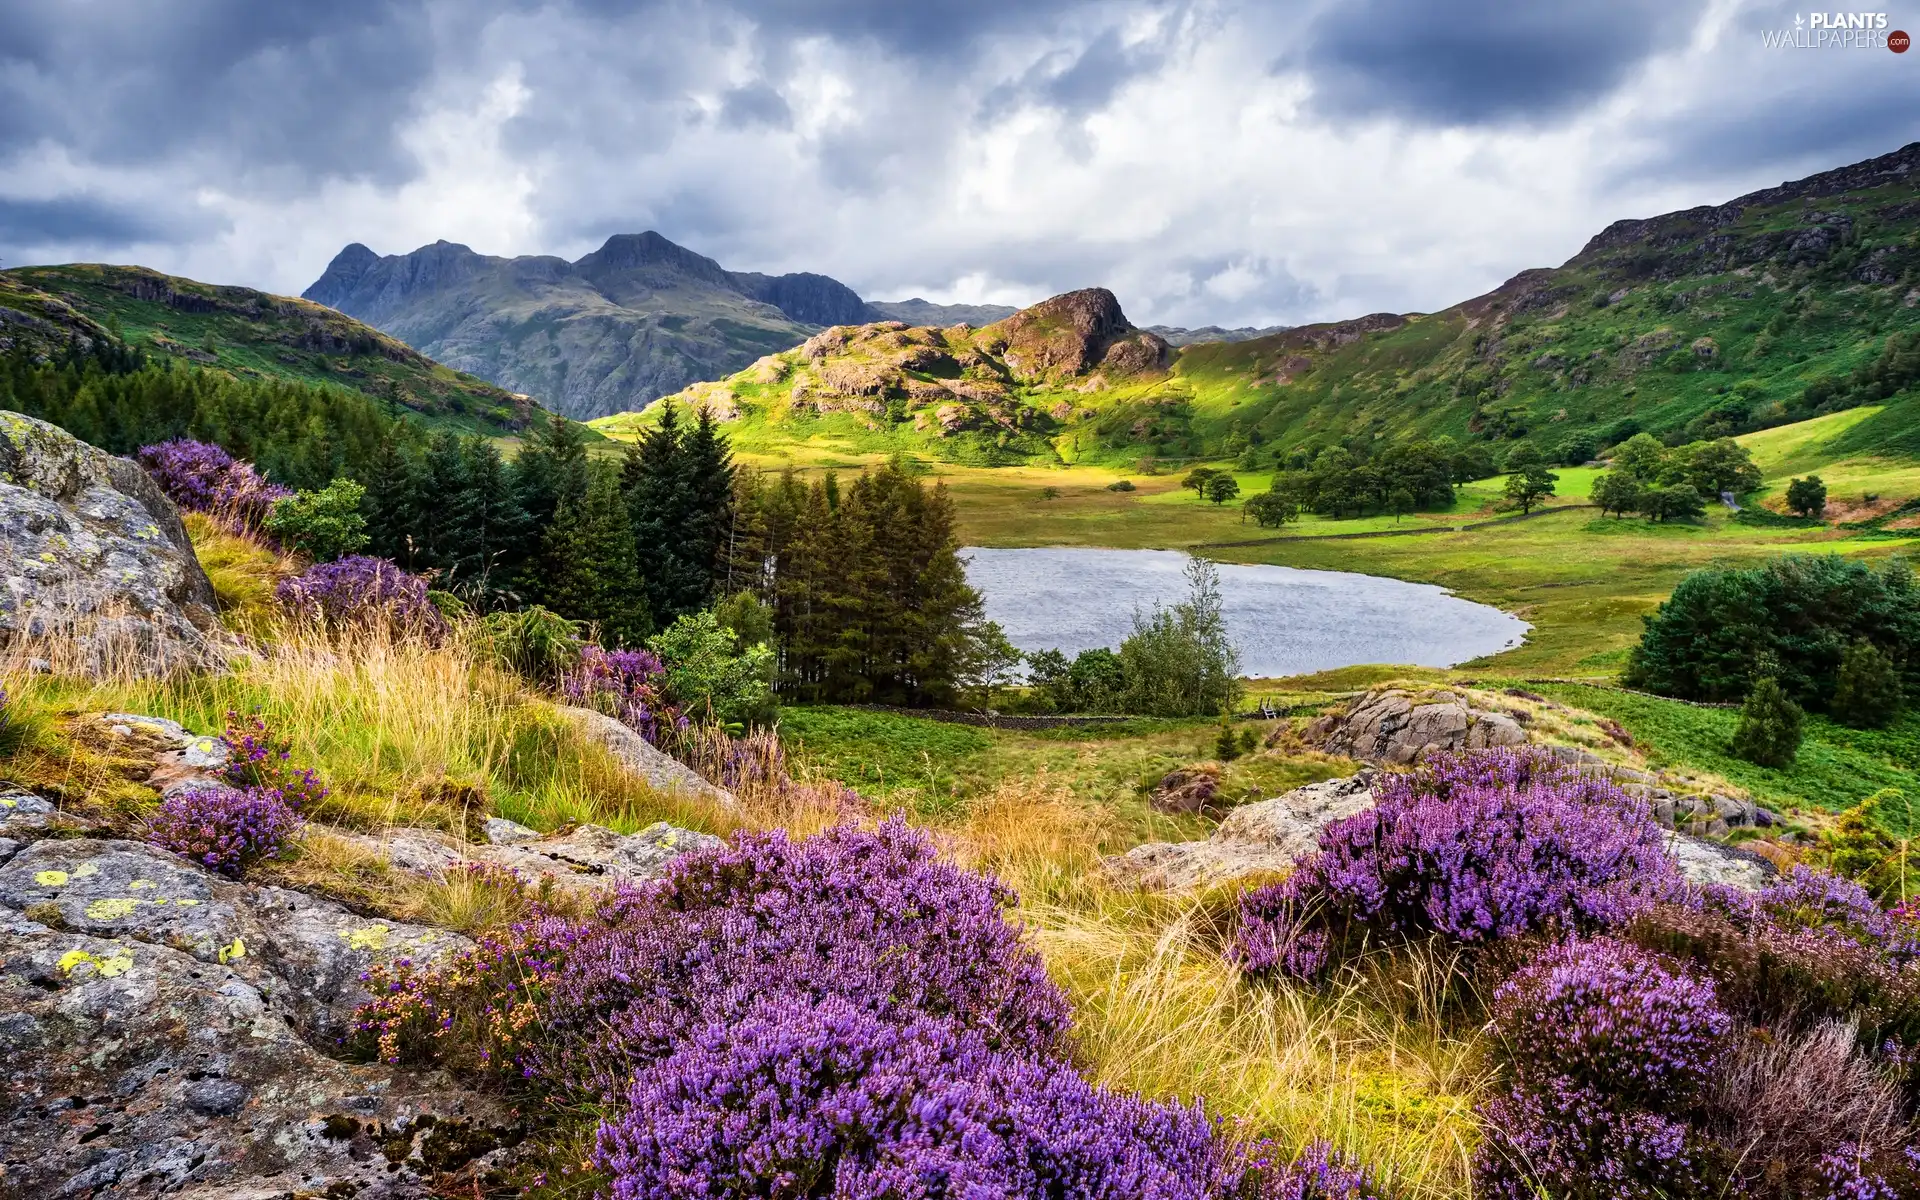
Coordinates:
1235 163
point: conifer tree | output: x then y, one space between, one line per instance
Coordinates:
587 569
1769 732
492 526
551 470
392 500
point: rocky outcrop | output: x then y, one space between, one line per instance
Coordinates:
663 772
1272 836
169 1032
1188 790
1256 839
89 547
582 859
1397 727
1072 335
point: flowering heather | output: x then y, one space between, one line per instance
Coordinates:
262 758
1475 847
200 477
820 1097
1320 1173
628 685
870 916
1606 1015
361 591
224 829
1574 1143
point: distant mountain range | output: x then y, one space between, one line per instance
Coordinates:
639 318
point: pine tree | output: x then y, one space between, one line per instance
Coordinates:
1867 692
492 526
551 470
587 569
392 500
710 475
1769 732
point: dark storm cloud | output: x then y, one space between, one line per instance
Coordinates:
1480 61
66 220
312 87
755 104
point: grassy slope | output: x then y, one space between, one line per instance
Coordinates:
247 333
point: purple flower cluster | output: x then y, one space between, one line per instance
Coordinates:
1606 1050
1320 1173
224 829
628 685
1605 1015
843 1015
261 757
201 477
805 1097
362 592
1475 847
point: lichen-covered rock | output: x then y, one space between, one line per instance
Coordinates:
168 1032
1710 862
1395 727
663 772
304 954
580 859
137 1070
1188 790
91 548
1256 839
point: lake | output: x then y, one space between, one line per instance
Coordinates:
1285 621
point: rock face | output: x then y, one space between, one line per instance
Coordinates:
586 859
1255 839
89 544
1272 836
662 771
1188 790
1395 727
168 1032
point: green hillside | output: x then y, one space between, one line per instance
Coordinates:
248 334
1781 305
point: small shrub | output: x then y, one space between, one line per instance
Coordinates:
1474 847
323 525
1770 727
536 643
359 592
1226 747
1857 847
710 676
1121 485
1867 693
225 830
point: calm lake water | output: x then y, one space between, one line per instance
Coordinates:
1284 620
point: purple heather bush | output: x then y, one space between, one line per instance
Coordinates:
1474 847
262 757
1570 1142
1606 1015
806 1097
201 477
1320 1173
224 829
871 916
628 685
362 592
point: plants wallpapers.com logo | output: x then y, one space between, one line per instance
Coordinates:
1838 31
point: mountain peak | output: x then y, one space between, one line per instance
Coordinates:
1072 334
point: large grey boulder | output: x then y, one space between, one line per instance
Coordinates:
663 772
167 1032
90 549
1395 727
585 860
1262 838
